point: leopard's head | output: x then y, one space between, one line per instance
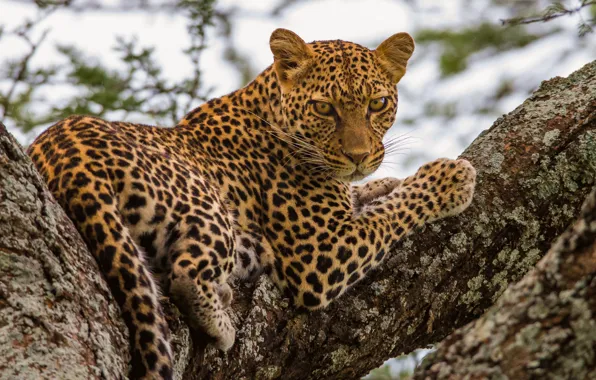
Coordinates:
338 99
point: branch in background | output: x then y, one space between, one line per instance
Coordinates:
19 72
141 89
21 69
557 10
241 62
542 327
100 6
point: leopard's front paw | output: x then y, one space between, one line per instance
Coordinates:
450 184
460 189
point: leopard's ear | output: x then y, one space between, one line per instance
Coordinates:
393 53
292 57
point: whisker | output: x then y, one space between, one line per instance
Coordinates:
400 151
394 143
399 140
302 151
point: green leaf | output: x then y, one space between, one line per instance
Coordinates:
458 46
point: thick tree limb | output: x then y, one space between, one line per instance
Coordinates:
57 318
543 327
535 166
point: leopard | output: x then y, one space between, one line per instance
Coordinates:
256 182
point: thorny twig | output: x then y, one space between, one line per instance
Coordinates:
555 11
95 5
23 32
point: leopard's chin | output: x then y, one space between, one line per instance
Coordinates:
356 175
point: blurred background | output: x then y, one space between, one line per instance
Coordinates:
152 61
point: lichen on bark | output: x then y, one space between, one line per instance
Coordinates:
57 318
543 327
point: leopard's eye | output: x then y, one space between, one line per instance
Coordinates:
377 104
323 108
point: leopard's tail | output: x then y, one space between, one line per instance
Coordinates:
129 278
88 199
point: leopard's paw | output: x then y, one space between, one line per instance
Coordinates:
461 181
450 183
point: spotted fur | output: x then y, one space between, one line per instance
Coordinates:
254 181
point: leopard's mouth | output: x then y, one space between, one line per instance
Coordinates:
347 171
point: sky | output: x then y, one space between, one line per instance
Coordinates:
364 22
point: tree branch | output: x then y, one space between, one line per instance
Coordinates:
22 65
57 317
553 11
542 327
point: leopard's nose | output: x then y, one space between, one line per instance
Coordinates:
357 157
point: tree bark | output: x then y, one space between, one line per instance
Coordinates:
57 318
535 166
543 327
